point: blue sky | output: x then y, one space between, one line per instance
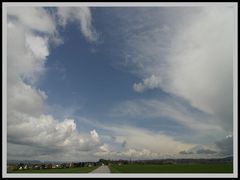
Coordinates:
119 82
87 75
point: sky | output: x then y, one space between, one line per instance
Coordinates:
85 83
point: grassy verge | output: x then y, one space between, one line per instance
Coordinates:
178 168
65 170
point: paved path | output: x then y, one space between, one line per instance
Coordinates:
102 169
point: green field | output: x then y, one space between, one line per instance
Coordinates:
179 168
65 170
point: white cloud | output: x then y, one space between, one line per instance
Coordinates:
94 135
21 60
34 18
80 14
46 132
26 99
122 141
24 63
202 67
142 144
197 67
32 132
38 46
104 148
129 154
192 60
148 83
160 108
143 139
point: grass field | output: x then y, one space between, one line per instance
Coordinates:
179 168
65 170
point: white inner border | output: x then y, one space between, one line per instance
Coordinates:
111 4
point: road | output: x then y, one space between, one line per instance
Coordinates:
101 169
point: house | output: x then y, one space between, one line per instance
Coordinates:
49 166
65 165
58 165
43 166
71 165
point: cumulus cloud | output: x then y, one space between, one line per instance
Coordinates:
25 99
104 148
31 131
38 46
23 60
39 20
82 15
166 144
148 83
141 143
122 142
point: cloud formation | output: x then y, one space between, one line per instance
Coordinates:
198 151
148 83
192 57
190 60
220 148
31 130
225 145
160 108
82 16
40 20
141 143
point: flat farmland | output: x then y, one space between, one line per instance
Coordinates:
175 168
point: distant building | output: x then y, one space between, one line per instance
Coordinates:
36 166
71 165
58 165
43 166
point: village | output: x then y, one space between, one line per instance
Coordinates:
38 166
